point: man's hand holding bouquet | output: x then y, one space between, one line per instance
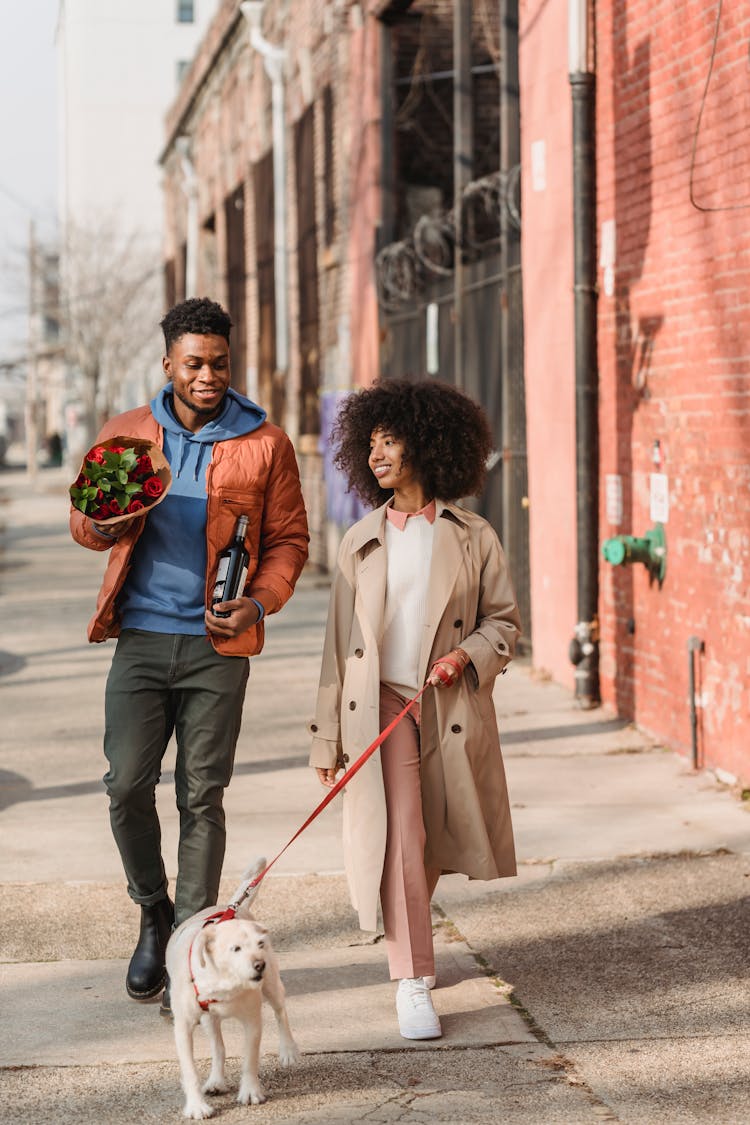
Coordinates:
121 479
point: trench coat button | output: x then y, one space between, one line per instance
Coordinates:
346 757
458 623
314 727
352 705
359 652
456 728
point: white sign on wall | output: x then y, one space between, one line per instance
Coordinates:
432 342
659 498
613 494
608 255
538 166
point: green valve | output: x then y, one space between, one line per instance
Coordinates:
649 549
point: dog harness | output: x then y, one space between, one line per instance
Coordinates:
212 920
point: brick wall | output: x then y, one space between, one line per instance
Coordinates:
674 340
674 356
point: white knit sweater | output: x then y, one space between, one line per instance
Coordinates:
409 554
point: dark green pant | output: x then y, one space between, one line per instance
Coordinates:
160 684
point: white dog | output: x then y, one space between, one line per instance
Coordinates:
221 970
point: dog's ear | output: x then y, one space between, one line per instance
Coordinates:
203 946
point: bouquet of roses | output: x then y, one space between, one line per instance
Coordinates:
120 478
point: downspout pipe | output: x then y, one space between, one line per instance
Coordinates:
581 72
274 61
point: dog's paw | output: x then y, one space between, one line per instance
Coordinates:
289 1053
251 1095
215 1086
198 1110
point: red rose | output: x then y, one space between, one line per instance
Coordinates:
117 448
99 496
102 513
136 505
153 487
114 508
97 454
143 465
81 481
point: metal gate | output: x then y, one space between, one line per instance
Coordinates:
417 340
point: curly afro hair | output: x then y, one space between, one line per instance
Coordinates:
446 436
197 316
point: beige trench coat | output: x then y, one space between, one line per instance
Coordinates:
464 795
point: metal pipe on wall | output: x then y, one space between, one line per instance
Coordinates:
583 93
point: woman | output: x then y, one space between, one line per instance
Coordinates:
421 593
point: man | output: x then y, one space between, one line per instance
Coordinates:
178 667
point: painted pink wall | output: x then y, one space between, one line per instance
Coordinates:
547 259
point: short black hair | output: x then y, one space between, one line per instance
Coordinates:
197 316
446 436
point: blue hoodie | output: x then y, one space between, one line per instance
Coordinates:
165 590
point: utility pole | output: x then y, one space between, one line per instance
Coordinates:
32 370
463 166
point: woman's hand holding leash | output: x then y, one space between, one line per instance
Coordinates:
448 669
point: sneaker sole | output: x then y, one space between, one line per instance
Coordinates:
421 1034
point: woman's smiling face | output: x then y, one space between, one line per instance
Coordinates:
388 462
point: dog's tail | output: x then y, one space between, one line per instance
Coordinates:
245 894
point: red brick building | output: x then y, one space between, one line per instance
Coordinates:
673 345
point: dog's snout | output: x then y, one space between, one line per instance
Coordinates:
259 966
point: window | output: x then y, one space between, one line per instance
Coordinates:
183 65
185 11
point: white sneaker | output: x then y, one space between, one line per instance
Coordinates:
417 1018
430 982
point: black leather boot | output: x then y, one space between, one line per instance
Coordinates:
147 971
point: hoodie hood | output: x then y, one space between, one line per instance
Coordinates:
238 416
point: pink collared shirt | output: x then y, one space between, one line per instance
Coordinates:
399 518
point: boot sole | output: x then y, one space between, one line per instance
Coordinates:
149 994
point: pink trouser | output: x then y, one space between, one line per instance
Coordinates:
406 887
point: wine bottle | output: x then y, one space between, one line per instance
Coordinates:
232 570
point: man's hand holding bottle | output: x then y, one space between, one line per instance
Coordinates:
238 614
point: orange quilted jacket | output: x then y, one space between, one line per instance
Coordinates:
255 473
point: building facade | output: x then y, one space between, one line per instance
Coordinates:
672 327
272 204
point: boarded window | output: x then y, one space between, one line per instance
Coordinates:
307 267
271 394
329 218
234 216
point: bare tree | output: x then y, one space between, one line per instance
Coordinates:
110 304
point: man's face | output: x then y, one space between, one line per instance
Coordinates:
198 367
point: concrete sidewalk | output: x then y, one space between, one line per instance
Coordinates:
607 982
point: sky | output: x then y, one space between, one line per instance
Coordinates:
28 143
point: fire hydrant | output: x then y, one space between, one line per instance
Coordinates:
649 549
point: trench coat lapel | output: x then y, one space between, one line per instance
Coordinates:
371 571
448 550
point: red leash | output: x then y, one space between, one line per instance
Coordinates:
231 910
342 781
